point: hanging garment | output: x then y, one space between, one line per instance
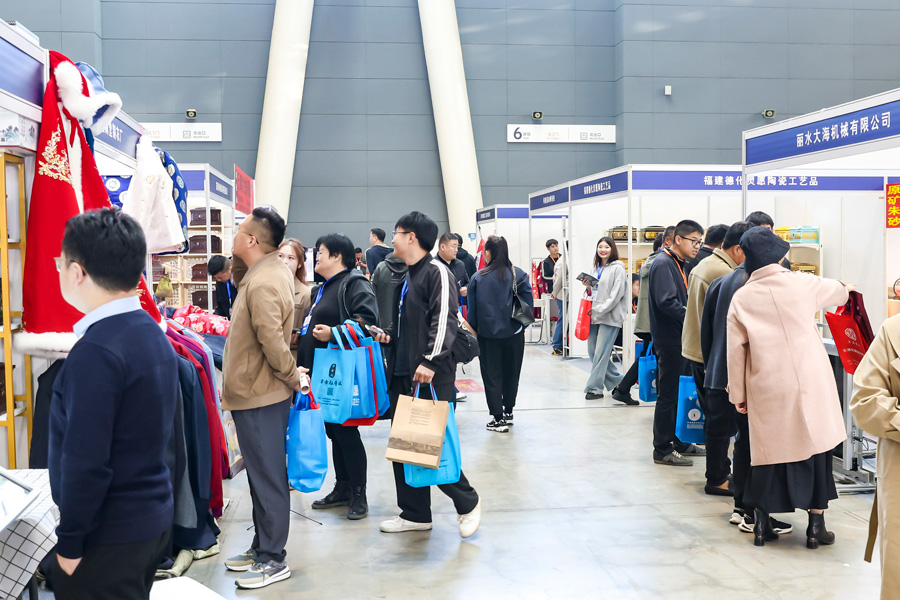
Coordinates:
149 201
179 194
40 427
117 188
66 183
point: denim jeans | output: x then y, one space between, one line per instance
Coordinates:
604 372
557 333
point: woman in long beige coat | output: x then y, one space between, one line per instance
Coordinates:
876 406
779 374
292 253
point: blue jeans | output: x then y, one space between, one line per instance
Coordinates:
557 333
604 372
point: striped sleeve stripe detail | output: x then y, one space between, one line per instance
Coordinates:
445 311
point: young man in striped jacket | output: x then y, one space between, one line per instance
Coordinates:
423 328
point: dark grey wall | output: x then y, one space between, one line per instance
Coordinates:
367 150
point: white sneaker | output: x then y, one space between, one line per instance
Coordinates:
461 396
469 523
399 525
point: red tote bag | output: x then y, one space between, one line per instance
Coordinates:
851 331
583 324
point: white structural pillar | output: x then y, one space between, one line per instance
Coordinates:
280 126
452 119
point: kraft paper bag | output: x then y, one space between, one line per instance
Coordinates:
417 431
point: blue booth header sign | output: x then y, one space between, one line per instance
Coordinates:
600 187
554 198
486 215
866 125
120 136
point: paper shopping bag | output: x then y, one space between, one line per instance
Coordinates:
417 431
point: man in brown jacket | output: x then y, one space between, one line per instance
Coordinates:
260 378
876 407
719 425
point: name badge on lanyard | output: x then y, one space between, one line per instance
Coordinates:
308 318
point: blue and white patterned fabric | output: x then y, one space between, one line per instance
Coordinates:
179 193
117 188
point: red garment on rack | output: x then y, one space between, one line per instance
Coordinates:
216 435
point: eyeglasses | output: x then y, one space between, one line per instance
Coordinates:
396 231
59 260
238 230
694 241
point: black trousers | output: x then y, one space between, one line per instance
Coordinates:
631 376
111 571
741 459
718 429
501 365
670 366
415 503
348 454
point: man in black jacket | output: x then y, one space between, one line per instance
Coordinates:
219 269
423 330
448 252
668 303
466 257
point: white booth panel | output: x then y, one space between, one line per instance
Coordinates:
726 209
863 253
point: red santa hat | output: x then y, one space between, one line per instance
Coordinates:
66 184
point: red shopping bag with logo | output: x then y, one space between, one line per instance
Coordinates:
583 324
851 331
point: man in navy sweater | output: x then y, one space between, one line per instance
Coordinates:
110 422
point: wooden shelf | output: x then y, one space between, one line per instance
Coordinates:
203 227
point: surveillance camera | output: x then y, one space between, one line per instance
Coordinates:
537 115
190 113
769 113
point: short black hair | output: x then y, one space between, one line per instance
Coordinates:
669 232
687 227
338 243
759 218
421 224
379 233
658 242
447 238
635 277
216 265
550 242
273 223
733 237
357 250
110 247
715 235
460 238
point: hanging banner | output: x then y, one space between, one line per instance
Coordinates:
243 191
892 205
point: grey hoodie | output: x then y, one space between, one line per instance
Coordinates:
611 301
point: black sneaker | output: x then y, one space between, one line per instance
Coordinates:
593 396
623 397
673 459
508 417
499 426
779 527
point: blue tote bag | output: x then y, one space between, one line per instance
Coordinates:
380 381
307 451
334 380
647 376
451 460
690 420
362 405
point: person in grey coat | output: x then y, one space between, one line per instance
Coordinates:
612 299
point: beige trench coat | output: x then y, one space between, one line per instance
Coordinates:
778 365
876 406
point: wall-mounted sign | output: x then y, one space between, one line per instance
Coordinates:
561 134
892 202
184 132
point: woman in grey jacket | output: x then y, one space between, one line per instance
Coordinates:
610 307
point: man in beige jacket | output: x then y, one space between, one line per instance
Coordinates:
719 425
876 407
260 378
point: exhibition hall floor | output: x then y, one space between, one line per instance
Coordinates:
573 508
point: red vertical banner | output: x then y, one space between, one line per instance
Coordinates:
892 205
243 191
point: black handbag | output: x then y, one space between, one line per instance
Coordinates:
521 312
465 346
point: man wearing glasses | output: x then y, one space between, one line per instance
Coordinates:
668 303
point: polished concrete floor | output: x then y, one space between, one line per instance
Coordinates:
573 508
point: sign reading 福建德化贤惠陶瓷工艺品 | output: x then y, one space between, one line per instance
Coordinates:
892 205
611 184
864 125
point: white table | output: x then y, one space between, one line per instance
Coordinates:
29 538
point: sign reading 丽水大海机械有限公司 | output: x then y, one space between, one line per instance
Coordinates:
561 134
